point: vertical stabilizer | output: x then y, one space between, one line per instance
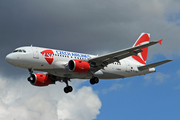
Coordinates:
142 56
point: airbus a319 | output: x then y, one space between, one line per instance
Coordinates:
63 66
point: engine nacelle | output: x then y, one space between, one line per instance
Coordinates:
37 79
78 66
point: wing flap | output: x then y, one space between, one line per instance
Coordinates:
153 65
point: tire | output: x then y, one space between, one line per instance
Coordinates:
66 90
92 81
96 80
70 89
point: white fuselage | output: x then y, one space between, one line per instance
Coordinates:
55 62
62 66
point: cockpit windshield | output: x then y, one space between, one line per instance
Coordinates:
15 51
19 50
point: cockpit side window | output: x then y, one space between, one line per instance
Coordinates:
19 51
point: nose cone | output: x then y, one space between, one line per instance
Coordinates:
10 58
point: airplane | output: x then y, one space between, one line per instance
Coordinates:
63 66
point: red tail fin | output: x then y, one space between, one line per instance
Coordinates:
142 57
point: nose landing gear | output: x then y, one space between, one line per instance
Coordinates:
31 78
67 89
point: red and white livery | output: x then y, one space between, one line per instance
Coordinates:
62 66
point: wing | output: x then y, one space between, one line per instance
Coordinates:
102 61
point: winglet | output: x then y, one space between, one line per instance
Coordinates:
160 42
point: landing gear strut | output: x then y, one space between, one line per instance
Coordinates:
94 80
30 71
31 79
68 88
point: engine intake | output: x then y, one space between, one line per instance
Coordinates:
78 66
39 79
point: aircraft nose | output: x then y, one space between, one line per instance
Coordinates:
9 58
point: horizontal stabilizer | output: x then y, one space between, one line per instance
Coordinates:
153 65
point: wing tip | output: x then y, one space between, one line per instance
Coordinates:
160 41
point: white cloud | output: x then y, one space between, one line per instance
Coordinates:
148 80
80 106
112 88
158 78
177 87
22 101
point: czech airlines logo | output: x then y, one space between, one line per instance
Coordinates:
48 55
142 57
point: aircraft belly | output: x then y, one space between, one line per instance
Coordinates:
110 76
114 71
69 74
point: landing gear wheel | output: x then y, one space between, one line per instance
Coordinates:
68 89
94 80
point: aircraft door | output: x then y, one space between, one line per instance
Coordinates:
35 52
128 66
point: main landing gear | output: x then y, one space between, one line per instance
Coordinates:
68 88
94 80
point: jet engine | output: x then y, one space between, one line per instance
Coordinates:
37 79
78 66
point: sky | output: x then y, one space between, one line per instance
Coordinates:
93 27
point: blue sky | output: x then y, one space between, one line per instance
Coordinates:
93 27
141 98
